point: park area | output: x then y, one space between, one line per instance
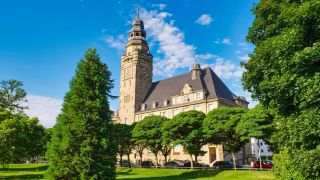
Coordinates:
36 171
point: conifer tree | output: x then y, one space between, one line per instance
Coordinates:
82 146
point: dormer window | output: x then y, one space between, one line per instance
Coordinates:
154 105
143 107
166 102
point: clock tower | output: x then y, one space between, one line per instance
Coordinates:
136 73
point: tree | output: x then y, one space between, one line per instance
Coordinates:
21 138
283 73
138 145
255 123
148 132
82 146
220 127
122 136
12 95
186 129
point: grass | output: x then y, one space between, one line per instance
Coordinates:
23 171
36 171
176 174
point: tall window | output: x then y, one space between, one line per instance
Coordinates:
176 100
197 96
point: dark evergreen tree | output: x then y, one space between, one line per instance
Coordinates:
82 146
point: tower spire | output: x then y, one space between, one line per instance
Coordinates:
138 13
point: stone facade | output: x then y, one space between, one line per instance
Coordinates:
136 73
200 89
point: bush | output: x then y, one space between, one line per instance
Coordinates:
298 164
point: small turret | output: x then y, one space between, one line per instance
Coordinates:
196 71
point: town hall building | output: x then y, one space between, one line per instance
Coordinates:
199 89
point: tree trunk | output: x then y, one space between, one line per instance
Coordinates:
234 159
140 154
156 161
120 159
129 159
195 159
165 159
191 161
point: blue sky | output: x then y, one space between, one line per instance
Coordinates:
42 41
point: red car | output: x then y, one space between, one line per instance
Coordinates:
265 164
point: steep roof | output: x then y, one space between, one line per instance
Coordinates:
209 81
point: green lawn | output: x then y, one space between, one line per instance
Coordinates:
35 171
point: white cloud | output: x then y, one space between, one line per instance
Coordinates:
205 56
204 20
225 41
160 6
45 108
118 42
244 57
177 54
226 69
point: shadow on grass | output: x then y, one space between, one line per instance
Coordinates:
40 168
185 175
25 176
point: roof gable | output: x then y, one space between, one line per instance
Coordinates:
165 89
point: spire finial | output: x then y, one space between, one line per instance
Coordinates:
138 12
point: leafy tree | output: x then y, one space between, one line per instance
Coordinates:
82 146
220 127
148 132
283 73
138 145
122 136
186 129
21 138
12 95
255 123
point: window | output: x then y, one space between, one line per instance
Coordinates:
154 105
210 107
143 107
162 113
197 96
176 148
137 34
198 108
186 99
176 100
269 150
262 150
166 102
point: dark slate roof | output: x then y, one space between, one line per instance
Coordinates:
209 81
